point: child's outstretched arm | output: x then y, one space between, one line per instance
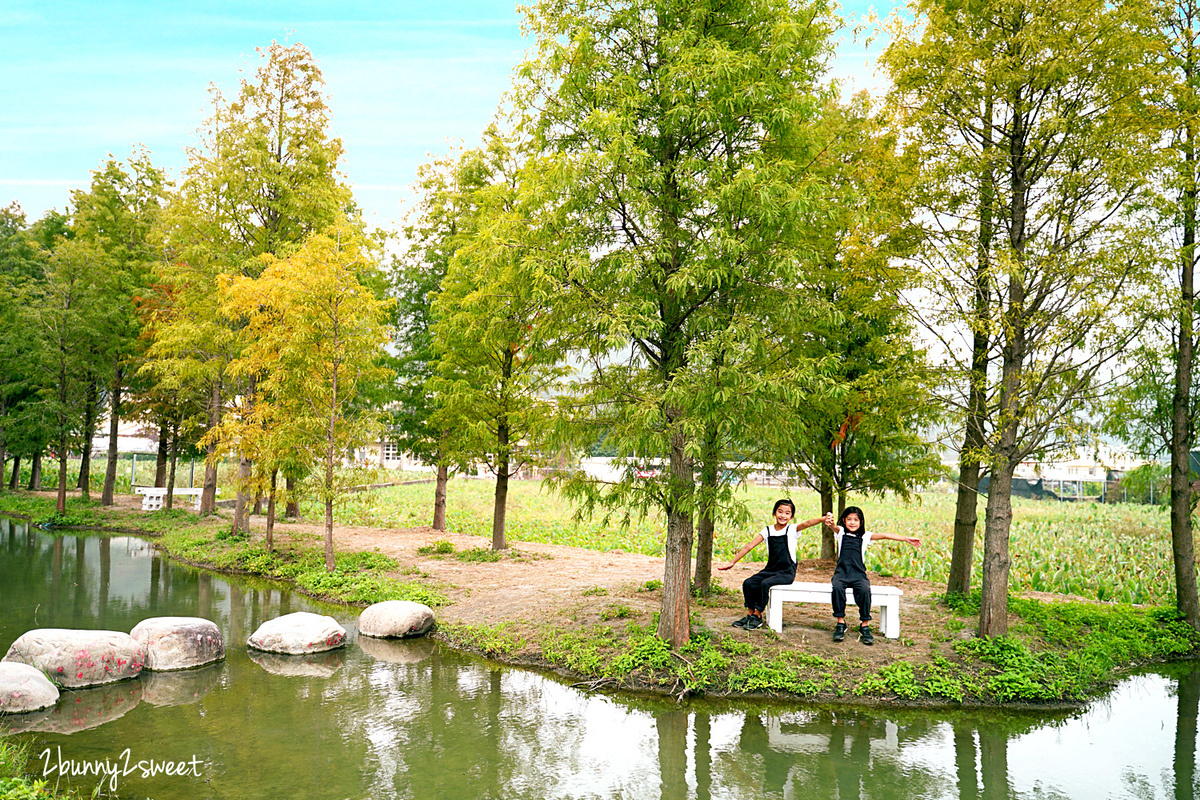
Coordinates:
827 519
913 540
746 548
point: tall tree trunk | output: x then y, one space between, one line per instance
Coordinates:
292 507
173 433
241 521
674 620
993 612
160 457
114 421
208 498
61 503
330 563
35 472
439 497
500 505
271 511
1182 543
330 452
706 510
966 512
828 543
15 478
89 433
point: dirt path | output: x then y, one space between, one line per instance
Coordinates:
539 583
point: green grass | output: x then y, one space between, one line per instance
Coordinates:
358 577
16 782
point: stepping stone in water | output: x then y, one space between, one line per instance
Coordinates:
298 633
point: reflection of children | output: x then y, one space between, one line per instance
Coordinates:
781 561
851 571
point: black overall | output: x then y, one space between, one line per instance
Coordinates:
779 571
851 573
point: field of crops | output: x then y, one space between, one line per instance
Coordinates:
1106 552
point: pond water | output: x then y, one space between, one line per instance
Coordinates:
416 720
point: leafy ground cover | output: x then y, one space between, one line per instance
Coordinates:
16 765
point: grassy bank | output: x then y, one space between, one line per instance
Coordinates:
1057 652
16 767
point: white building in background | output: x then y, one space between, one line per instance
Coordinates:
132 437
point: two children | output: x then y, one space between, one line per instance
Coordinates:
851 571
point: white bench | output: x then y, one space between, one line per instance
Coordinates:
885 598
153 496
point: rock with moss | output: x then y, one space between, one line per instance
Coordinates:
78 658
173 643
298 633
24 688
395 619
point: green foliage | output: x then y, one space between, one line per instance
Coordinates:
491 640
776 674
595 591
652 585
576 651
644 651
478 554
439 547
356 578
617 611
15 784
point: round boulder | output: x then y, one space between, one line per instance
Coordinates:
395 619
24 688
179 642
75 658
298 633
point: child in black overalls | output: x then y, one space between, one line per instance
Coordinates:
851 571
781 561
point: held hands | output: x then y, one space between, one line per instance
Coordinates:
828 519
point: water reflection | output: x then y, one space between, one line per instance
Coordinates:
407 719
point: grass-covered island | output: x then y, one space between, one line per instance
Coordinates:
1091 594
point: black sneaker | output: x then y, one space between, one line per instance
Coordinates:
864 635
839 631
741 623
753 623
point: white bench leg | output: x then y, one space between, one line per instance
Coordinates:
889 616
774 613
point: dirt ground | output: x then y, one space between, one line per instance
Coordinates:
538 584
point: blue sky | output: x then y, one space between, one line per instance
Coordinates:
85 79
